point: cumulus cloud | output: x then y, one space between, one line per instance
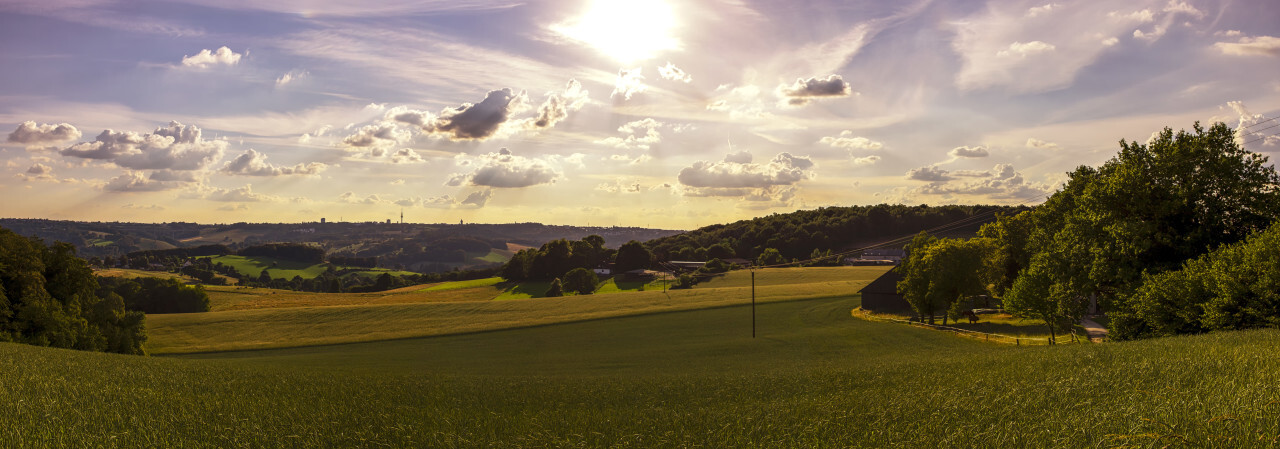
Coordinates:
621 185
931 174
1001 182
1033 142
174 147
237 195
639 134
559 105
206 58
478 121
1246 130
505 170
378 135
869 160
673 73
351 198
30 133
1251 46
253 163
846 139
37 171
478 199
290 77
969 152
804 91
739 157
1037 11
138 182
406 156
629 83
737 172
1023 50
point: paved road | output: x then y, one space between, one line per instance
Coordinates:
1095 330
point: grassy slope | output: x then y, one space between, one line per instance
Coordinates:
814 378
410 312
285 269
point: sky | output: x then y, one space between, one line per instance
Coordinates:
653 113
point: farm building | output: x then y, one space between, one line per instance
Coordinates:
894 255
881 295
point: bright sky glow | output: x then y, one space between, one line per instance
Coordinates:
673 114
628 31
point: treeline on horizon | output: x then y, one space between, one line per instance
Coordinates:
797 235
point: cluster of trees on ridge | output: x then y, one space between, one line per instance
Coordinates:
569 264
1172 236
799 234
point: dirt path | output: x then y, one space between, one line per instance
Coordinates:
1095 330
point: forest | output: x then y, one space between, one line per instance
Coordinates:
798 234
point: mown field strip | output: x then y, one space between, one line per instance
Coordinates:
304 326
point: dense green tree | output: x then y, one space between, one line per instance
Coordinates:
770 256
581 281
1146 211
631 256
48 297
556 289
1236 286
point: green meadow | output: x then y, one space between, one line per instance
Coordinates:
286 269
634 370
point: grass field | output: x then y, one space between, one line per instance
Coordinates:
285 269
695 378
245 318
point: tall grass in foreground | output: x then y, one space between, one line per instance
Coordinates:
814 378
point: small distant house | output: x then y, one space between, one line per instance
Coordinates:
881 295
604 269
686 265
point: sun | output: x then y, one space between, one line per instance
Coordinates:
628 31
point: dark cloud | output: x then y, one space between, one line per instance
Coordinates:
731 173
174 147
30 133
803 91
253 163
477 121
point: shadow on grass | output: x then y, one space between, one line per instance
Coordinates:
1029 330
531 289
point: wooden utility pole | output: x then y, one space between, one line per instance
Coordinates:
753 303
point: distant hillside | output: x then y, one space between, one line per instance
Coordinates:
422 247
798 234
